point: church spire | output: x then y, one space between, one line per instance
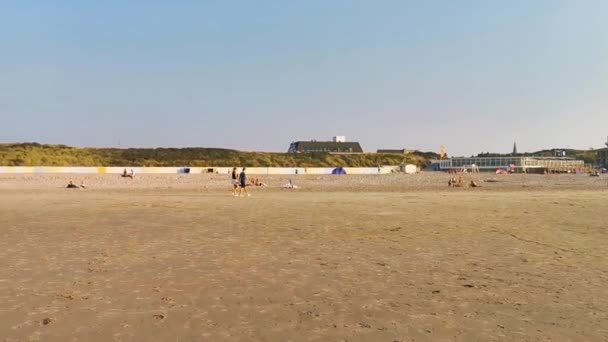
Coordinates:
514 148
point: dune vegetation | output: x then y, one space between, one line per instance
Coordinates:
34 154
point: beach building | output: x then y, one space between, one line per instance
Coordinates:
602 157
517 164
337 145
391 151
560 153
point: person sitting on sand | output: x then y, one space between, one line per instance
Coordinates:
457 182
127 175
82 186
289 185
71 185
453 182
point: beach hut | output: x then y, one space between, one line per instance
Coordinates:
410 169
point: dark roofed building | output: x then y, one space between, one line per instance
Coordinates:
391 151
324 146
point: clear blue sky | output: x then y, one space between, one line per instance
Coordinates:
255 75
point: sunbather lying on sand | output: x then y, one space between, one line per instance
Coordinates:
71 185
256 182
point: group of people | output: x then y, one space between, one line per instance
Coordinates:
459 182
239 183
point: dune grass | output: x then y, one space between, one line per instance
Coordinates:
34 154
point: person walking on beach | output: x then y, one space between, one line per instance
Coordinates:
243 182
235 181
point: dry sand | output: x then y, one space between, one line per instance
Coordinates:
357 258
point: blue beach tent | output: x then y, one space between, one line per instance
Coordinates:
338 171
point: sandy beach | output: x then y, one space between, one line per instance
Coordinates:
344 258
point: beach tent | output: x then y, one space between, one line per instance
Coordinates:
338 171
410 169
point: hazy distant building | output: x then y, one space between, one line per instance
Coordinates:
392 151
338 145
520 164
602 157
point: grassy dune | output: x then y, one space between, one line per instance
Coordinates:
34 154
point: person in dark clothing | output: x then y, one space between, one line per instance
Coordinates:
243 183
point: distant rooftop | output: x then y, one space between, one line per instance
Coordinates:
325 146
393 151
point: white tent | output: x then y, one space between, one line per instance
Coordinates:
410 169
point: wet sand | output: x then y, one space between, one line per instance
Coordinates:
357 258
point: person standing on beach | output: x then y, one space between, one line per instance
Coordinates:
243 182
235 181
